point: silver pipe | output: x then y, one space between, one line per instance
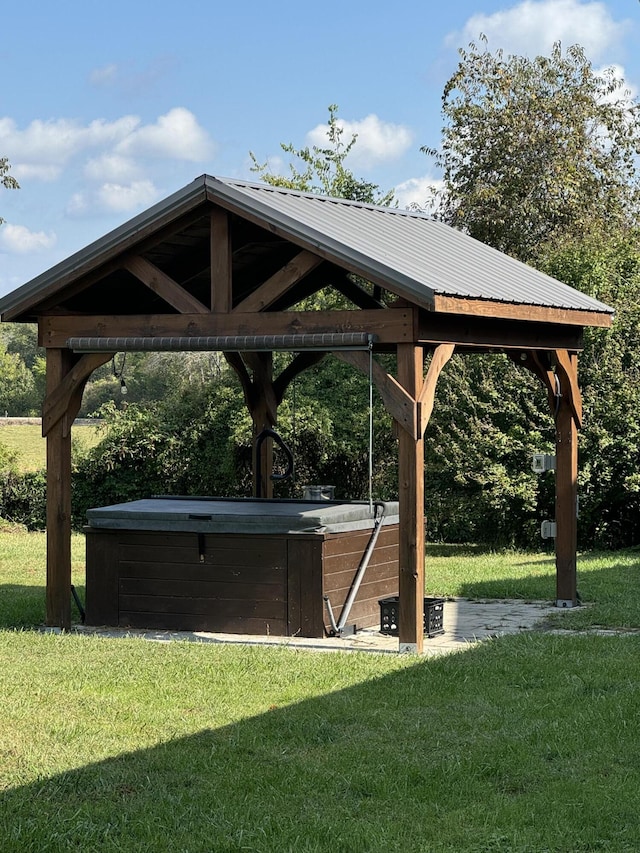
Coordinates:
366 557
332 619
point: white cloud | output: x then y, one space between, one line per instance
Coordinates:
17 239
378 141
130 78
418 193
113 197
532 27
174 135
35 172
43 149
111 167
626 92
120 198
104 76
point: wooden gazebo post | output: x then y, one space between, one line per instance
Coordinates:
58 597
67 375
565 402
411 508
568 419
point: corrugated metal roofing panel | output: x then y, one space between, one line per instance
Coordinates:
412 254
424 256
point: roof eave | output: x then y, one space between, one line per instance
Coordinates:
515 311
20 304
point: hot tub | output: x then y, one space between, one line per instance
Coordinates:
246 566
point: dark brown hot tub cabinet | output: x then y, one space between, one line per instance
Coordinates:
236 566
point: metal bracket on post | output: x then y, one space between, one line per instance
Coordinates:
565 603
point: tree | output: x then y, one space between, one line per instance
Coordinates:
608 268
6 179
536 148
538 161
18 395
324 170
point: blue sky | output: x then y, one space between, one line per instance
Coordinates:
107 108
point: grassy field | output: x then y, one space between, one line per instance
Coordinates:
26 440
524 744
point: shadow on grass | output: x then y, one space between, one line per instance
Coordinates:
442 755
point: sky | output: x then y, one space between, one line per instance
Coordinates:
107 108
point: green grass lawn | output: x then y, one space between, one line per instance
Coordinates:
26 440
524 743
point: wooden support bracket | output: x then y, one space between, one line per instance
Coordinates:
398 402
162 284
440 357
63 402
567 371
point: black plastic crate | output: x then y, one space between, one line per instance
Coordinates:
433 616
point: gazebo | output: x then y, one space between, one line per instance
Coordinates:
224 265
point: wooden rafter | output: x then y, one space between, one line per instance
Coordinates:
279 283
355 293
162 284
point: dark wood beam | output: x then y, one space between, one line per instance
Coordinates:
302 361
487 333
566 407
355 292
566 369
234 360
391 325
279 283
164 286
307 243
221 262
97 268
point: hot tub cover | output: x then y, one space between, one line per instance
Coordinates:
228 515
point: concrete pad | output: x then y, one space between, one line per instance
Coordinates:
466 622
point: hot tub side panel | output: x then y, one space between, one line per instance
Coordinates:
186 581
243 584
342 553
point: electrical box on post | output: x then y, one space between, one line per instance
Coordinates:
548 530
541 462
